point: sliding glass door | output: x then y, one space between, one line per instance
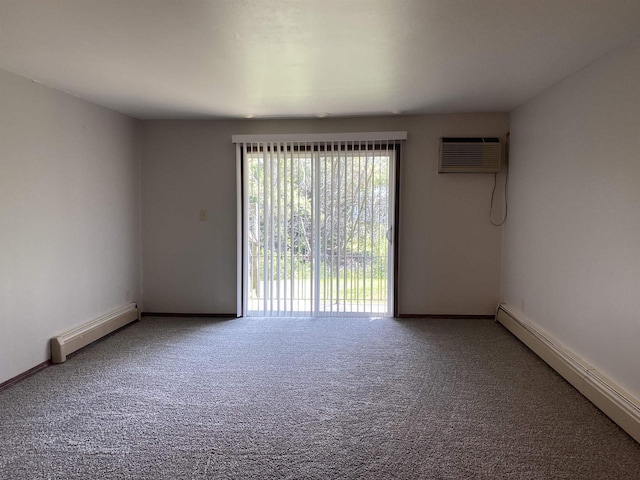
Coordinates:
318 228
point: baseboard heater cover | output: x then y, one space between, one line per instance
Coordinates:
617 404
83 335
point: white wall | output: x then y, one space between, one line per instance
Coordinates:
449 253
69 217
572 240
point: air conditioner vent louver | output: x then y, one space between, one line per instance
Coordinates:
470 155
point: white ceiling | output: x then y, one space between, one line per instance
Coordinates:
300 58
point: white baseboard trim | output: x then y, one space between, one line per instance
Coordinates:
620 406
83 335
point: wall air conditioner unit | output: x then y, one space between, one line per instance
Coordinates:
470 155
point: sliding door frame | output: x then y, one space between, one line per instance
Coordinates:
396 225
242 225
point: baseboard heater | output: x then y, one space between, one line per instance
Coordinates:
620 406
83 335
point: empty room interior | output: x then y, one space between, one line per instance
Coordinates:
320 239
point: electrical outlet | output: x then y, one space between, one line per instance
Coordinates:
203 215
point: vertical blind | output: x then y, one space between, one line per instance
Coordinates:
316 223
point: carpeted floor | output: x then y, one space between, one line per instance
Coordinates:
326 398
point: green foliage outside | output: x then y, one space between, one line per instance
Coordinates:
353 221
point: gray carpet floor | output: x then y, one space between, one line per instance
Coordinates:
325 398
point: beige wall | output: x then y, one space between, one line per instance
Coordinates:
449 252
69 217
572 240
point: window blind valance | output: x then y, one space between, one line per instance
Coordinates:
321 137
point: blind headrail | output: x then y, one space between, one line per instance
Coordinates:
321 137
